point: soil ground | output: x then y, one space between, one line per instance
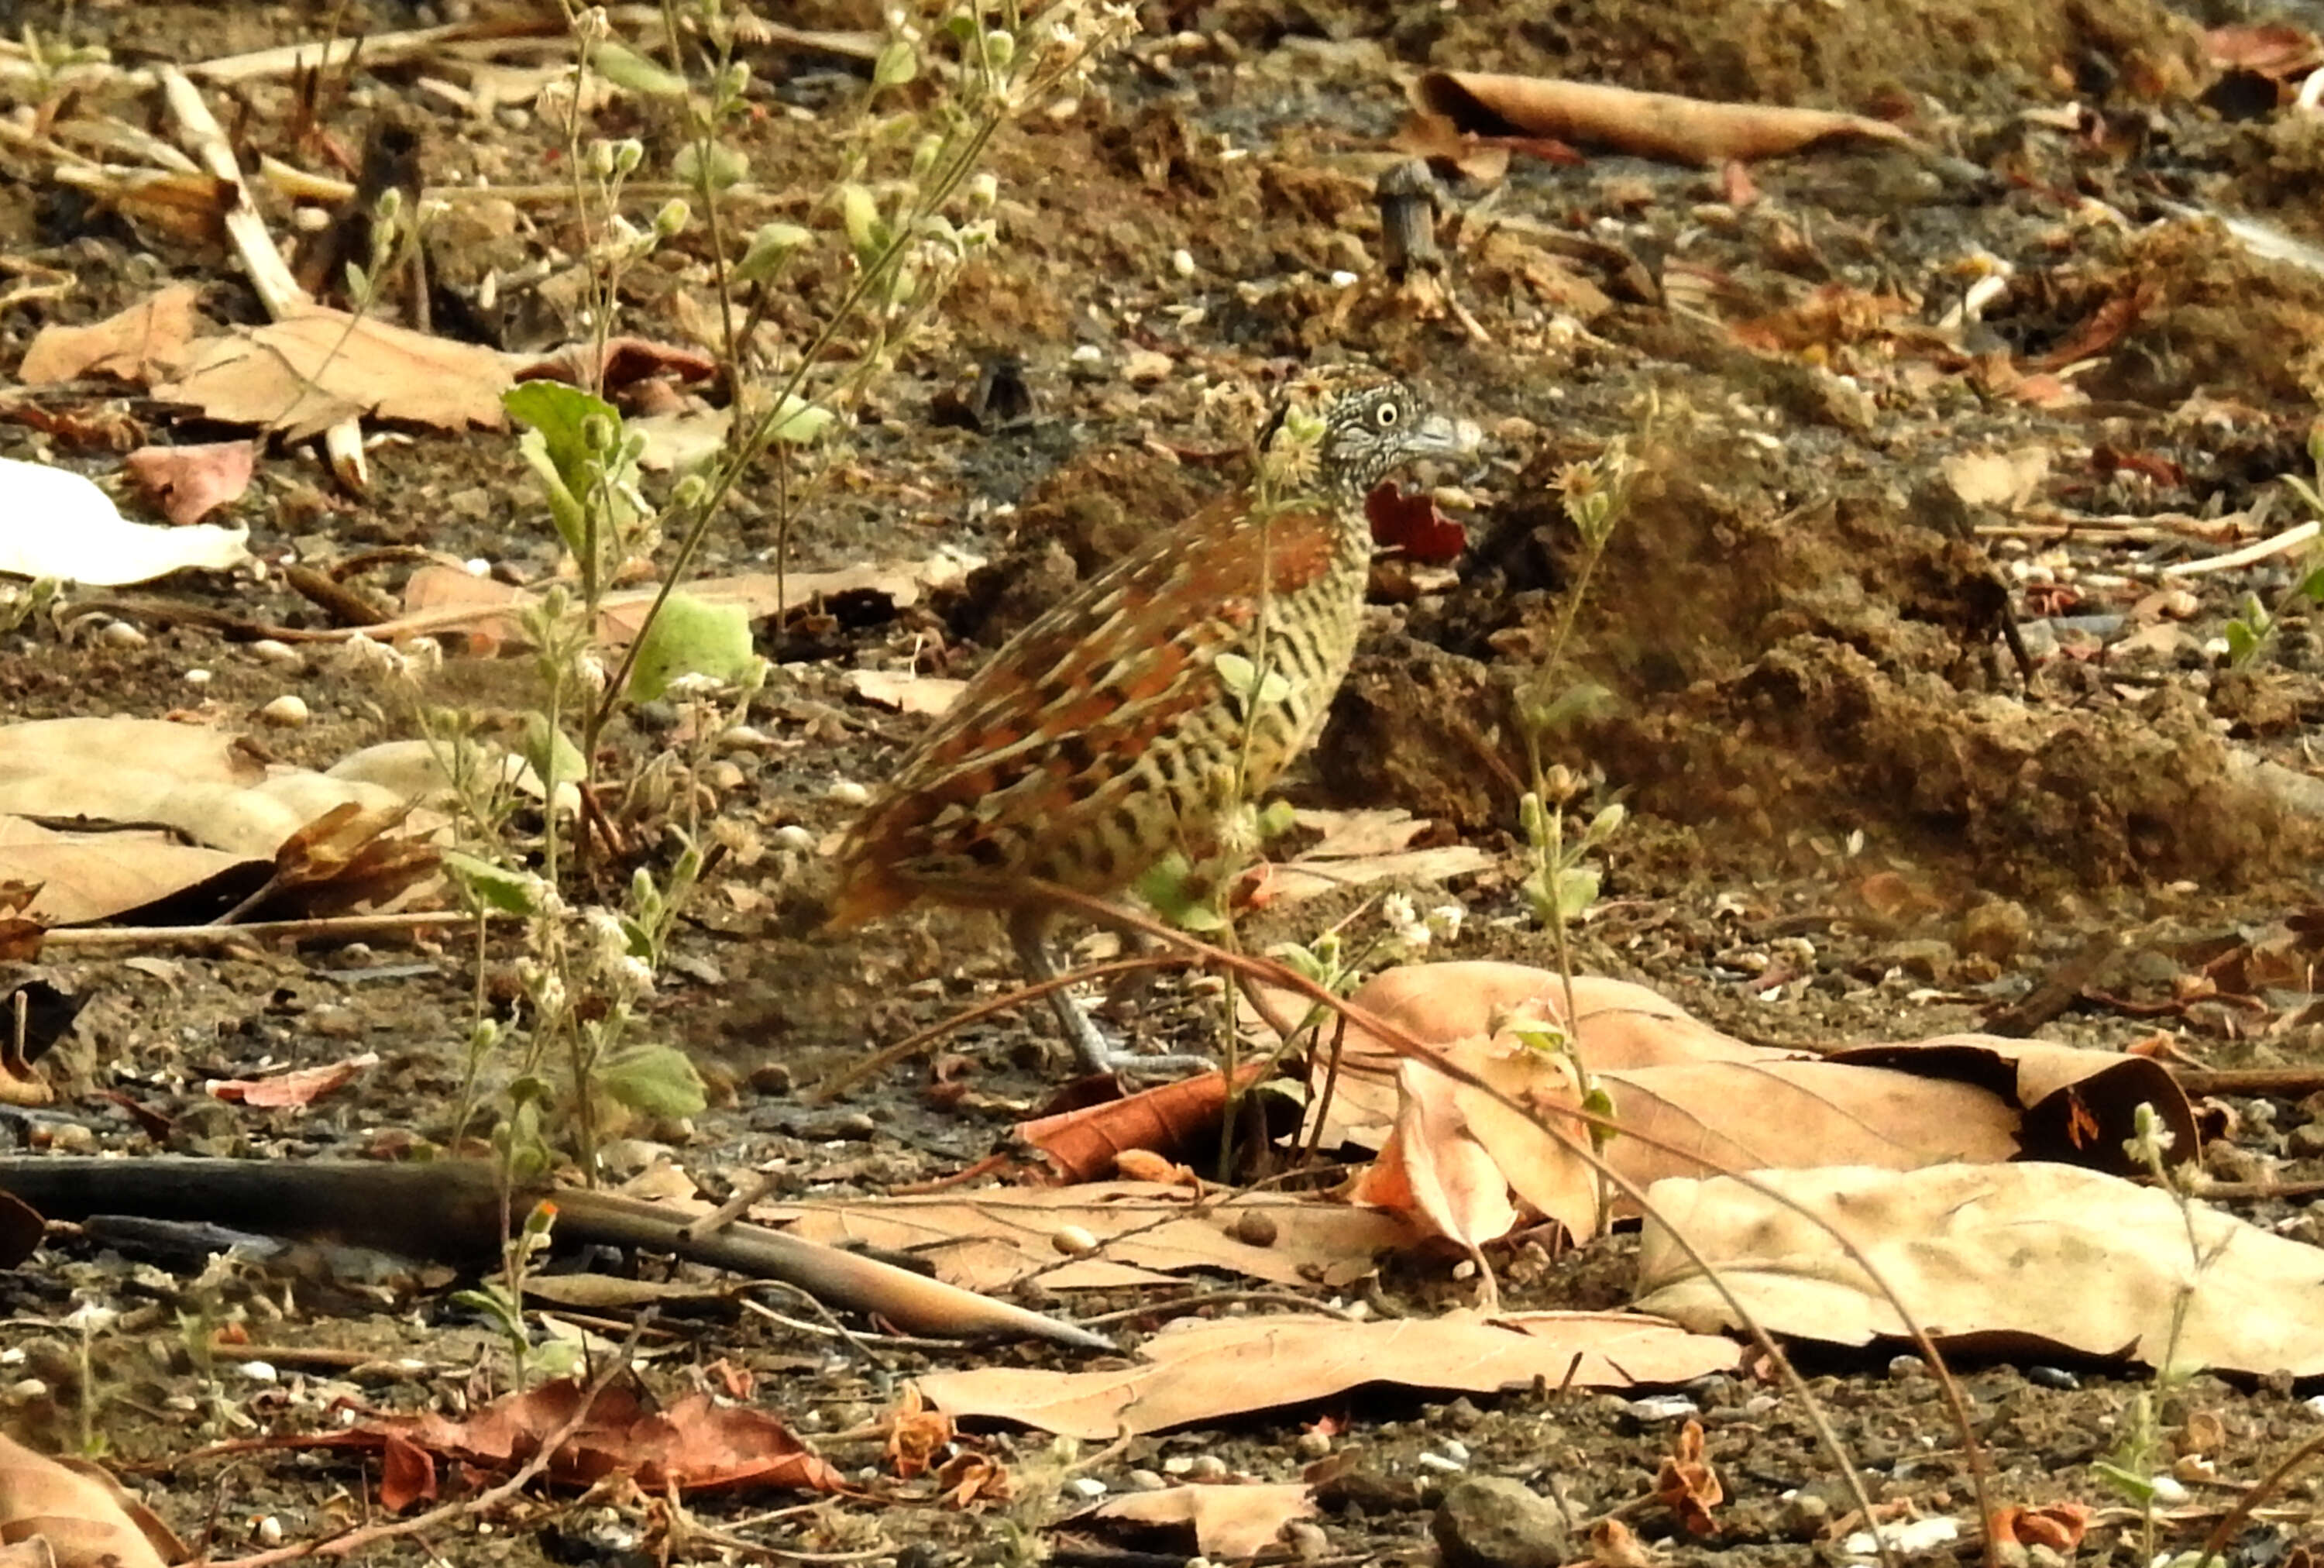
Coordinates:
1841 776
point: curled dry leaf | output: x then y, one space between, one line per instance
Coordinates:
2125 1270
1677 130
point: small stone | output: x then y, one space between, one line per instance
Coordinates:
1995 929
2305 1141
1147 368
1144 1481
772 1078
121 635
1313 1444
197 677
1072 1240
1181 262
287 712
1494 1522
1087 1486
791 836
1306 1539
275 652
1253 1229
1207 1467
848 792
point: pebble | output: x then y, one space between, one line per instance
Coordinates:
2052 1378
1495 1522
792 835
848 792
1662 1407
1147 368
197 677
121 635
275 652
1181 262
1087 1486
1144 1481
287 712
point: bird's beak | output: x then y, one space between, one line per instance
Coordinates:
1440 436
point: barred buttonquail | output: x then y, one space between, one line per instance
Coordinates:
1098 738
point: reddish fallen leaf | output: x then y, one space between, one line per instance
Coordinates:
284 1091
2275 49
2103 329
694 1444
407 1475
1087 1144
621 361
2057 1525
1411 523
1687 1485
192 482
917 1435
1677 130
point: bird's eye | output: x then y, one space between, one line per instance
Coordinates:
1386 415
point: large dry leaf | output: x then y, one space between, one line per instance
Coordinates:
149 771
1460 1158
1621 1025
1677 130
82 1513
1225 1522
83 878
2074 1106
1147 1233
321 367
141 344
2032 1256
1196 1371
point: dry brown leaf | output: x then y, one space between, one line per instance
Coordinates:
1621 1025
989 1240
192 482
1677 130
321 367
79 1511
141 344
1195 1371
2075 1106
294 1089
1460 1159
1962 1244
87 877
925 695
1223 1522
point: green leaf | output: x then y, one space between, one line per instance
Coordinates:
767 249
1275 818
898 63
490 886
1169 888
1579 702
799 422
691 636
2242 643
657 1080
1577 889
554 757
710 166
1236 673
867 231
628 69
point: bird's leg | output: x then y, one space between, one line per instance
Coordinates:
1028 933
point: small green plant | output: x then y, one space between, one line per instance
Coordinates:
2134 1468
811 316
501 1301
2250 634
